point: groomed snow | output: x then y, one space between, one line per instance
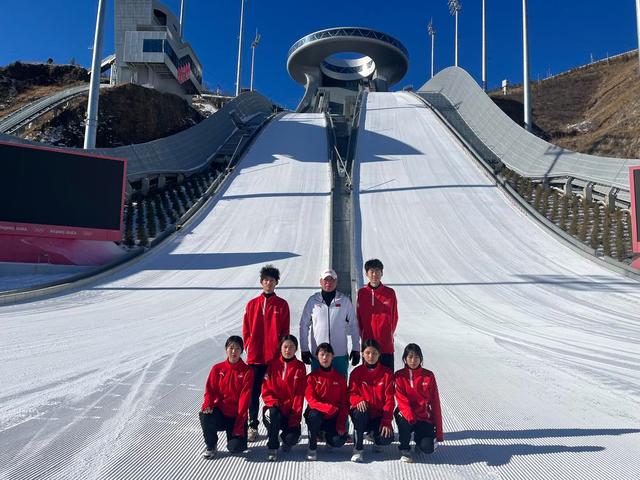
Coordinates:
85 375
535 348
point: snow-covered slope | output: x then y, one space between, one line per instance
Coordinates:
86 375
536 349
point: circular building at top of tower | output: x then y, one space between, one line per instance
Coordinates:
348 54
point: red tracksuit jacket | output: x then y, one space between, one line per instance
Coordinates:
377 313
228 388
374 386
266 321
418 398
327 392
283 387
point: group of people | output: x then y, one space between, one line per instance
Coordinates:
372 398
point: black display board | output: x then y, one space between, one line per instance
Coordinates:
54 187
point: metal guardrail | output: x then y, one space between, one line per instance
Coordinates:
455 94
241 147
16 120
341 164
349 32
355 246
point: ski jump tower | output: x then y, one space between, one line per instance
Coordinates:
336 63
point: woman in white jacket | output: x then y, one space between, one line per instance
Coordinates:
329 316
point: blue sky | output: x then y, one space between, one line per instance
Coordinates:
563 34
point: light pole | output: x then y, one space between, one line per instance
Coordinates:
454 7
432 34
525 68
94 86
239 69
254 44
181 18
484 47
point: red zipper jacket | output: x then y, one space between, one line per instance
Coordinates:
377 313
374 386
228 388
283 387
266 321
418 398
327 392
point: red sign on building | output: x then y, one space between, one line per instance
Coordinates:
183 72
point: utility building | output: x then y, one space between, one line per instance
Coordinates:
150 50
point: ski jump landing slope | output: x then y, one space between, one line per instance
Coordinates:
536 349
106 382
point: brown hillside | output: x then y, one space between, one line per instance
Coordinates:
128 114
593 110
23 83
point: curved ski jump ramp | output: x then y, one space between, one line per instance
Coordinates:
518 149
535 348
107 381
187 151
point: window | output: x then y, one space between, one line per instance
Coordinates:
152 45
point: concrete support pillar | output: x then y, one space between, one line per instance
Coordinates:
145 186
128 192
587 192
381 84
610 199
546 182
180 179
568 188
162 181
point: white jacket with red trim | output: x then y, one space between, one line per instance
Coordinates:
331 324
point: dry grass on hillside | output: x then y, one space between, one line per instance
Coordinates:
594 110
24 83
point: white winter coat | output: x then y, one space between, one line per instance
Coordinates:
329 324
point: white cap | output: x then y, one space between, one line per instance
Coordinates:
329 273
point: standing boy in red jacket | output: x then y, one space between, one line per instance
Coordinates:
377 311
266 321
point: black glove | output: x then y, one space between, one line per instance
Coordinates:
354 357
306 357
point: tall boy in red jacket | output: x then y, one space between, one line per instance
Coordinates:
266 321
377 311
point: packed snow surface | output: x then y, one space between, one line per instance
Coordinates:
535 348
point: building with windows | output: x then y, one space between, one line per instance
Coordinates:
150 50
